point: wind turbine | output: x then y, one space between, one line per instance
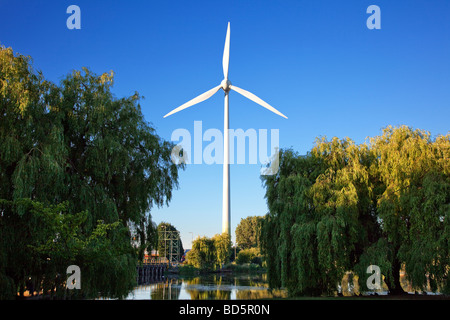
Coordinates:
226 86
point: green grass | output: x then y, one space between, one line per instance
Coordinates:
244 268
188 270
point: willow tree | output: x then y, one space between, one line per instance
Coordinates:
202 255
77 143
210 253
414 207
248 232
344 207
320 207
222 248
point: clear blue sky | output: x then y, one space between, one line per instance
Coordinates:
315 61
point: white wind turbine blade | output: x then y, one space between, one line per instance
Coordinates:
226 54
208 94
254 98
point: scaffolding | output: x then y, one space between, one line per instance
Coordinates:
172 245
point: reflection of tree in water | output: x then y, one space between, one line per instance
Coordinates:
250 280
260 294
260 289
221 287
209 294
216 287
199 289
168 290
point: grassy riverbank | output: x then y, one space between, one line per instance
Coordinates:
233 268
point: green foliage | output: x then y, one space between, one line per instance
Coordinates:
246 268
210 253
251 255
80 166
222 248
202 254
381 254
248 232
50 239
187 270
344 207
414 209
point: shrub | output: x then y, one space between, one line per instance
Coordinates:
251 255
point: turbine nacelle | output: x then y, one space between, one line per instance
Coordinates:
225 85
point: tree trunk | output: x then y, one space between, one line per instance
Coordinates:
394 286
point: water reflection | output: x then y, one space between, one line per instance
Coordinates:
213 286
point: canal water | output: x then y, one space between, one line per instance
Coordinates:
207 287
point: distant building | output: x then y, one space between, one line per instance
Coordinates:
153 257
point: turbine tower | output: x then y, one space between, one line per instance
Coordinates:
226 86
